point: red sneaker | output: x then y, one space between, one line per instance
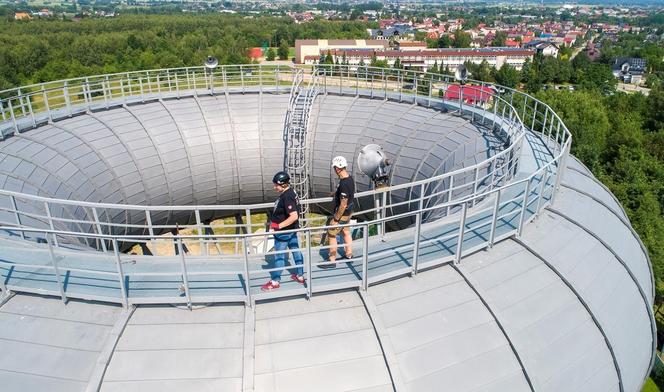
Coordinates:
297 278
270 285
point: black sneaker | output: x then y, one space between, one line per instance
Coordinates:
328 265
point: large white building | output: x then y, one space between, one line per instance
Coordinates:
425 58
313 47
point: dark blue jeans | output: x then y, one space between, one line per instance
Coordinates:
281 243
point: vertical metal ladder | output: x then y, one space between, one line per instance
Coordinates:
295 136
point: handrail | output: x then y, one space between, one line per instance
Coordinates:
510 112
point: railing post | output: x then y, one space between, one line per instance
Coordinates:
494 218
32 113
383 215
418 228
3 286
477 174
430 91
242 78
12 115
524 207
378 214
542 188
50 222
86 94
308 266
177 85
276 72
65 92
449 195
462 227
140 86
495 113
106 85
148 220
559 172
54 263
365 257
546 115
185 277
118 264
202 241
247 278
247 213
2 108
98 225
17 216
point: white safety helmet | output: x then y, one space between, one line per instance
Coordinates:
339 162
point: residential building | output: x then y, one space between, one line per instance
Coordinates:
545 48
629 69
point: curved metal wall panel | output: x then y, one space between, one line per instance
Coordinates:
223 149
420 142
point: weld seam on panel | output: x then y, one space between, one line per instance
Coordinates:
68 210
65 348
129 152
383 338
186 151
469 281
582 301
44 376
104 358
213 146
110 168
643 247
260 143
236 158
164 169
6 296
59 151
636 283
249 349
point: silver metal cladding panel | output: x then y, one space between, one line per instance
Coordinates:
613 231
327 344
559 344
443 335
604 284
50 346
164 348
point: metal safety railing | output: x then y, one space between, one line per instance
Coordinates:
26 107
480 204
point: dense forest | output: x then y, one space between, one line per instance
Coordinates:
619 137
43 50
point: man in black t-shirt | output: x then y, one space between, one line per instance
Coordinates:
284 217
343 209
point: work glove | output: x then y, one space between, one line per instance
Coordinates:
274 226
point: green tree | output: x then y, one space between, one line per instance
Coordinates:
283 49
444 41
507 76
500 39
461 39
270 55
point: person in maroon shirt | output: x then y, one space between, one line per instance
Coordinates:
285 217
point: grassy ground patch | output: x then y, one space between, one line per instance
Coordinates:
650 386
